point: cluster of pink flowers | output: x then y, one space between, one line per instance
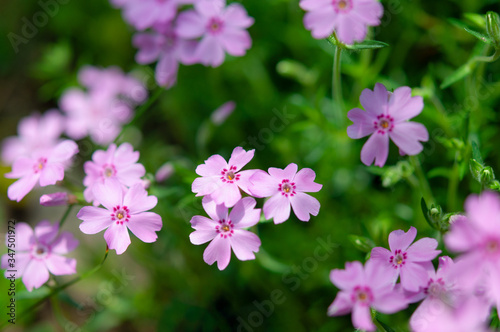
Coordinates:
220 183
458 296
202 34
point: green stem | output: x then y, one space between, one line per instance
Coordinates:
453 187
65 216
337 86
491 58
422 179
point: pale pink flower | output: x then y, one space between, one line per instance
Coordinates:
122 211
387 116
45 167
286 187
116 164
143 14
362 289
164 45
39 252
221 29
164 172
477 237
226 231
222 112
35 132
222 180
410 261
348 18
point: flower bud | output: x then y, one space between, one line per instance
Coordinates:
57 199
487 175
164 172
493 28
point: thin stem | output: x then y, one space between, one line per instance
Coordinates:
453 187
422 179
65 215
337 86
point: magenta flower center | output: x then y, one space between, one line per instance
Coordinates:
287 188
108 170
229 175
362 295
435 289
215 25
40 165
342 6
120 214
492 246
398 259
383 124
39 251
225 229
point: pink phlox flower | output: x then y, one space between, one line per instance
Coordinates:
143 14
286 187
362 289
477 238
39 252
410 261
221 29
118 164
226 231
349 19
386 116
122 211
163 44
45 167
35 132
223 180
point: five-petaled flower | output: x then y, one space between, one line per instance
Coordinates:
387 116
226 230
39 252
122 211
286 187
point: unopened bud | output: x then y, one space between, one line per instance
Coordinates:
164 172
493 28
57 199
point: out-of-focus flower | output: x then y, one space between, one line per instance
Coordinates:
477 238
143 14
349 19
286 187
387 116
221 114
362 289
410 261
45 167
221 29
35 133
39 252
226 231
164 172
222 180
57 199
116 164
101 111
121 212
164 45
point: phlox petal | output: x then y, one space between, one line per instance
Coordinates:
304 205
117 238
218 250
145 225
244 244
361 318
401 240
59 265
375 149
94 219
278 208
35 275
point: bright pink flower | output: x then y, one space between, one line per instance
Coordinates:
143 14
38 253
386 117
362 289
121 212
348 18
286 187
477 237
226 231
222 112
222 180
407 260
114 164
35 132
221 28
45 167
164 45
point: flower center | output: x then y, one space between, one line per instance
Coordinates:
362 295
225 228
342 5
39 165
39 251
398 259
108 170
492 246
120 214
383 124
215 25
435 289
229 175
287 188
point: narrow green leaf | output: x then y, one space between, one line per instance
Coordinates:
367 44
461 25
476 154
460 73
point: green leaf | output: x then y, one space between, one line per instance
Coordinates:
475 169
361 243
476 154
461 25
460 73
367 44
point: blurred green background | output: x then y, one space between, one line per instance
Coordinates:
166 286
